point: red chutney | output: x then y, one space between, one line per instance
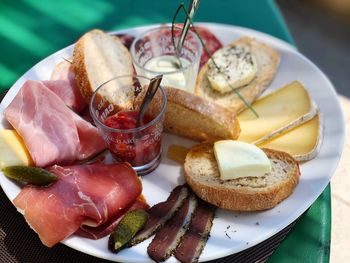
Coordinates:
137 148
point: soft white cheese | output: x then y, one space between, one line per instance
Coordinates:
239 159
167 65
237 68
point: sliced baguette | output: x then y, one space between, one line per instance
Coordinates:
193 117
267 60
99 57
242 194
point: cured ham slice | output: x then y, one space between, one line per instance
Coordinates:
52 132
45 124
197 234
111 224
90 141
63 84
162 212
210 41
89 194
168 237
126 39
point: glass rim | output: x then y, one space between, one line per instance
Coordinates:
132 130
132 50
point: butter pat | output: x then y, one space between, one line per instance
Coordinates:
237 68
239 159
12 150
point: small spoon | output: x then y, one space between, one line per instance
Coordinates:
151 91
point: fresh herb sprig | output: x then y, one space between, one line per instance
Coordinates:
67 60
186 26
189 16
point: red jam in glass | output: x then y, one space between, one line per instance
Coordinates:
135 147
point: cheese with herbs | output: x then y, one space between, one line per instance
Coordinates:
13 150
239 159
237 68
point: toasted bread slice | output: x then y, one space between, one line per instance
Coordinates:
242 194
193 117
99 57
267 60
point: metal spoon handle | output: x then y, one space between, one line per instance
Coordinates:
192 10
151 91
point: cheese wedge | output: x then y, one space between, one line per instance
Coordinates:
302 142
288 106
13 150
239 159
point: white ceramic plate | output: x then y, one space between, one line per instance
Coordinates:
246 229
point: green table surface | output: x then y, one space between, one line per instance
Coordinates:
30 30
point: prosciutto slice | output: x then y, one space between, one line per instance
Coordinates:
90 141
45 124
52 132
63 84
90 195
126 39
209 39
111 224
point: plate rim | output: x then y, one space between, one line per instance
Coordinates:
247 31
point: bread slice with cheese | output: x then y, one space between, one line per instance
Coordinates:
99 57
240 194
193 117
266 60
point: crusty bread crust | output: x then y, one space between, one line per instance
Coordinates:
193 117
111 66
267 63
245 194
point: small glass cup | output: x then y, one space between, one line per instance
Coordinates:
153 53
139 146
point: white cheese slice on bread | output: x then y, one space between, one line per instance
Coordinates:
239 159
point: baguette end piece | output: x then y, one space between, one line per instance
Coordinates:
97 58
